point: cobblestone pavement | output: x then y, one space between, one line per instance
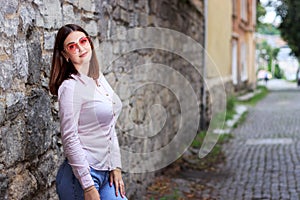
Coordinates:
263 158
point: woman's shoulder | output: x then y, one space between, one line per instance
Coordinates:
67 85
70 82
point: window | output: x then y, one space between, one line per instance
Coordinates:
244 59
254 12
244 10
234 62
234 8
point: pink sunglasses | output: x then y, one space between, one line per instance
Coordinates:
74 46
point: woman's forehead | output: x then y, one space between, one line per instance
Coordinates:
74 37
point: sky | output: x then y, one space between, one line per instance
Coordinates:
271 14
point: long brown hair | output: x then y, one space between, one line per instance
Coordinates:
61 69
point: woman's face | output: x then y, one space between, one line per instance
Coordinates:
77 48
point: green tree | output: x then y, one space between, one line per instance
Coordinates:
278 73
264 28
267 29
288 10
260 12
269 54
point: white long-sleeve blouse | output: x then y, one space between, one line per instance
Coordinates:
88 113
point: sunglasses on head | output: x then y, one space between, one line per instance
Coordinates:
74 46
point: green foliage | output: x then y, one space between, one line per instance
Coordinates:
200 137
259 96
264 28
288 10
278 73
230 107
260 12
173 196
267 29
268 53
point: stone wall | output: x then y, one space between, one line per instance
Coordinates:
30 145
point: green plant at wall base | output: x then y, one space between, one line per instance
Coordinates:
200 137
230 107
241 120
216 154
174 196
259 96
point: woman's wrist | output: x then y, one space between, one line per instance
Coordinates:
118 168
89 188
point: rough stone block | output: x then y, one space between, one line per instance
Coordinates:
3 186
44 169
13 141
6 74
20 58
49 39
14 104
39 19
22 185
50 10
153 6
9 7
39 135
69 15
143 19
88 5
124 15
34 61
11 26
2 109
26 14
73 2
116 13
92 28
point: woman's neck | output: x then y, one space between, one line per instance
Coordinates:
83 69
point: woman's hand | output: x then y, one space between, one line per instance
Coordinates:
115 177
91 193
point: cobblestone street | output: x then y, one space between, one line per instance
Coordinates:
263 158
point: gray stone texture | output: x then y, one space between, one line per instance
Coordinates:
30 146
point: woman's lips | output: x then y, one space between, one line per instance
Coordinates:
83 55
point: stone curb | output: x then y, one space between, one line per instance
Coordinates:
229 124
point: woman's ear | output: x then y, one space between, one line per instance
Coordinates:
65 55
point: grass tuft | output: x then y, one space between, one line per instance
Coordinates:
256 98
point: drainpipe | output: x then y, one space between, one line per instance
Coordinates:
203 116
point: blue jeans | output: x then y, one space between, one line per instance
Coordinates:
69 188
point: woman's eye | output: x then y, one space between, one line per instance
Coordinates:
83 41
72 46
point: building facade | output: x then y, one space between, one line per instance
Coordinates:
230 45
243 44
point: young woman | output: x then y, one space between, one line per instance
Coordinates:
88 111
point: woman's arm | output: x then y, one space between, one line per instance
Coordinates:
69 109
116 174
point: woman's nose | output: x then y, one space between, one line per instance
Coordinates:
80 48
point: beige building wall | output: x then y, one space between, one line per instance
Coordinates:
251 60
219 33
244 18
